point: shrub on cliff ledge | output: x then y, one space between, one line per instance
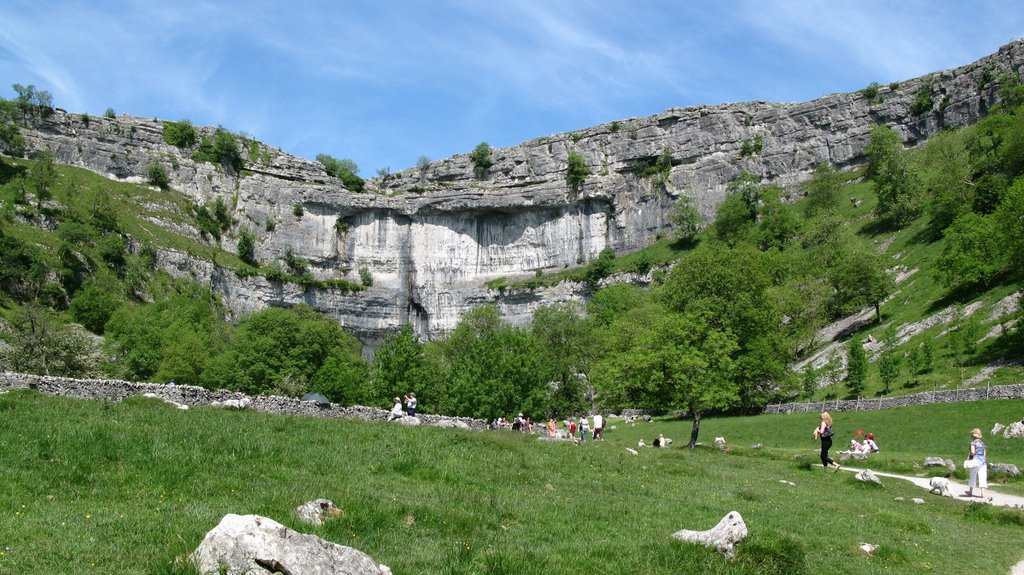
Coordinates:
222 150
158 174
481 158
180 134
343 169
577 171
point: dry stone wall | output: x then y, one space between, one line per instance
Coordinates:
925 398
192 396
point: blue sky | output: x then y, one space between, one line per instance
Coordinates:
383 83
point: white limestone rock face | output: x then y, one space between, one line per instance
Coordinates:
246 544
431 238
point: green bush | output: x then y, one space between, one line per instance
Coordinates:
871 92
923 99
481 159
93 306
297 210
158 174
247 247
752 147
12 142
365 276
213 220
650 167
221 150
109 113
577 170
296 264
343 169
180 134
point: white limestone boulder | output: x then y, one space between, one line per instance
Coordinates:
868 476
724 536
314 512
248 544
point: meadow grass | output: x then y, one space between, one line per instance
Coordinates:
112 488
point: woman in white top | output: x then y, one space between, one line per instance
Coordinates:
396 411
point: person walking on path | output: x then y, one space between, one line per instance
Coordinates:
824 433
584 428
979 474
598 427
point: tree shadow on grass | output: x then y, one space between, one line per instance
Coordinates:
10 171
957 296
876 227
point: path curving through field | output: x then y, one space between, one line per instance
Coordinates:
958 490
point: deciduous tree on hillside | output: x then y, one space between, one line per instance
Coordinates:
900 190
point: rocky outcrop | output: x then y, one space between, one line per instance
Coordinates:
243 544
429 238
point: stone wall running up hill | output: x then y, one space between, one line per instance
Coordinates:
947 396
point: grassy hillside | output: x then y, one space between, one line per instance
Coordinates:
97 487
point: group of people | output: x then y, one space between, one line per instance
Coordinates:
403 406
859 449
578 431
976 463
660 441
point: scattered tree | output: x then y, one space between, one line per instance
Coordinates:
43 175
900 190
856 368
822 191
685 217
888 369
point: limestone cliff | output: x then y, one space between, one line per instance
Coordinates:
431 237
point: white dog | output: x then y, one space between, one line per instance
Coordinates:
940 485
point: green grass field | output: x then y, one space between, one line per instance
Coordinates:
119 488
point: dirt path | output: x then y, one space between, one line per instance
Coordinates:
958 489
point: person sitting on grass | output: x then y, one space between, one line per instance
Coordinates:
869 443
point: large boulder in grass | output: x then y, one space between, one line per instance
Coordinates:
249 544
1007 468
868 476
1014 431
940 462
724 536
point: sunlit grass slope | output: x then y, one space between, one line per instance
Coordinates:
95 487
